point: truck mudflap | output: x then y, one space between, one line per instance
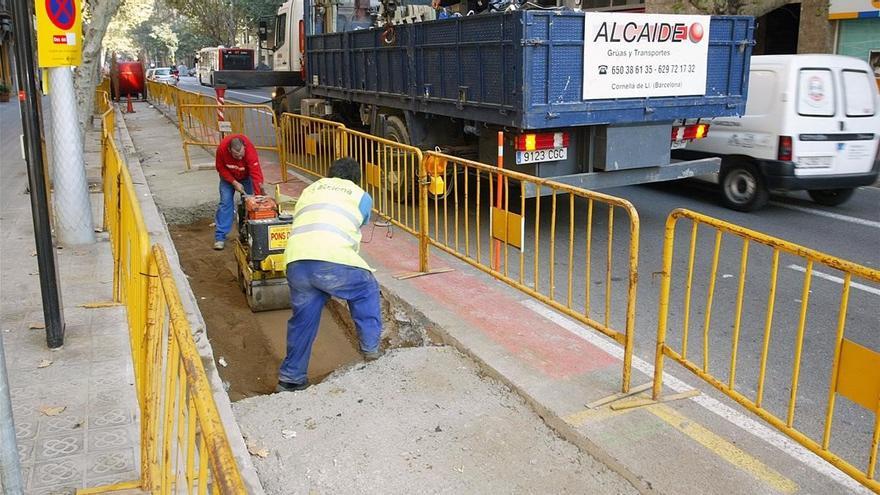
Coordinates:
603 180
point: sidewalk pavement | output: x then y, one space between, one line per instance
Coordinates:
705 444
75 411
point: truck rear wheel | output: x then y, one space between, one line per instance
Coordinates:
831 197
743 187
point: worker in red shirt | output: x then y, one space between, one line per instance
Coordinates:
238 164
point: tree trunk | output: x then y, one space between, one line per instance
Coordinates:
89 72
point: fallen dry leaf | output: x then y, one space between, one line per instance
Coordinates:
33 253
37 326
52 410
45 363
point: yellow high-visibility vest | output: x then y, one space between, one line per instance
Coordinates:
327 224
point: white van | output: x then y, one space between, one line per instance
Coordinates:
812 122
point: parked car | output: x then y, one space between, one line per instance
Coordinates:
163 75
812 122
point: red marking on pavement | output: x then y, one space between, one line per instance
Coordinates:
542 344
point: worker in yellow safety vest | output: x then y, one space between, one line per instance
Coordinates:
322 261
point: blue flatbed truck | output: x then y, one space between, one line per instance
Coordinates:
453 83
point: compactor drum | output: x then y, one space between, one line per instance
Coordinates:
259 251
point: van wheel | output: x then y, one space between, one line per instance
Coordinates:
743 187
831 197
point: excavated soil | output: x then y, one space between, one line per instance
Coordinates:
251 344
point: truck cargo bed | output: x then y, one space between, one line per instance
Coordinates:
522 69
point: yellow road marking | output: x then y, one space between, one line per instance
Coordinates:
720 446
724 449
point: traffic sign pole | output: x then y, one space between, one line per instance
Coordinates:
30 119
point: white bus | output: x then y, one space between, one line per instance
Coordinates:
217 58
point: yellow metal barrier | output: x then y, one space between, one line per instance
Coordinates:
853 370
102 96
184 447
308 144
543 247
200 126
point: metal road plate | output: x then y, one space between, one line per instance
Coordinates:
523 157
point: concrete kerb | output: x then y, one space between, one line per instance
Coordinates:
158 231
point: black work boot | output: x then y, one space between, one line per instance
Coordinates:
291 387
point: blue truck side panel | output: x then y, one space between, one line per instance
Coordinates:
522 69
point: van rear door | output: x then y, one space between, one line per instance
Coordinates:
861 121
837 120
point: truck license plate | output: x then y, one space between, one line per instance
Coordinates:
523 157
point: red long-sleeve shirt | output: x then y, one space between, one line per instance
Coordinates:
231 169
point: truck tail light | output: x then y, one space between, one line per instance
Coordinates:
690 132
541 141
302 49
784 153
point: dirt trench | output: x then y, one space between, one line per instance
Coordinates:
253 344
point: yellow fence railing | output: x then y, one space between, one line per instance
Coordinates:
451 203
546 247
183 445
205 125
308 144
782 342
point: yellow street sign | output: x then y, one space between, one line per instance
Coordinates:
59 33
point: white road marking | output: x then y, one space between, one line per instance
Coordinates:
757 429
854 285
823 213
261 98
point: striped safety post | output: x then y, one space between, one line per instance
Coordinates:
220 91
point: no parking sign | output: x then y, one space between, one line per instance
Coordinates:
59 33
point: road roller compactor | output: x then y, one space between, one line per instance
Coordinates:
263 228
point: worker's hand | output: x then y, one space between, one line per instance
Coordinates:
238 187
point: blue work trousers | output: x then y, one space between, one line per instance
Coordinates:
311 284
226 208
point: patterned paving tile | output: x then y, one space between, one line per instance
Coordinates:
51 448
67 472
55 490
68 421
104 464
112 438
25 427
25 451
106 417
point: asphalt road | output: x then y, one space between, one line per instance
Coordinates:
250 96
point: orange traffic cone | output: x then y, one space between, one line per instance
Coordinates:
129 108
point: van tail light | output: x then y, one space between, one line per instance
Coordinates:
690 132
541 141
784 153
